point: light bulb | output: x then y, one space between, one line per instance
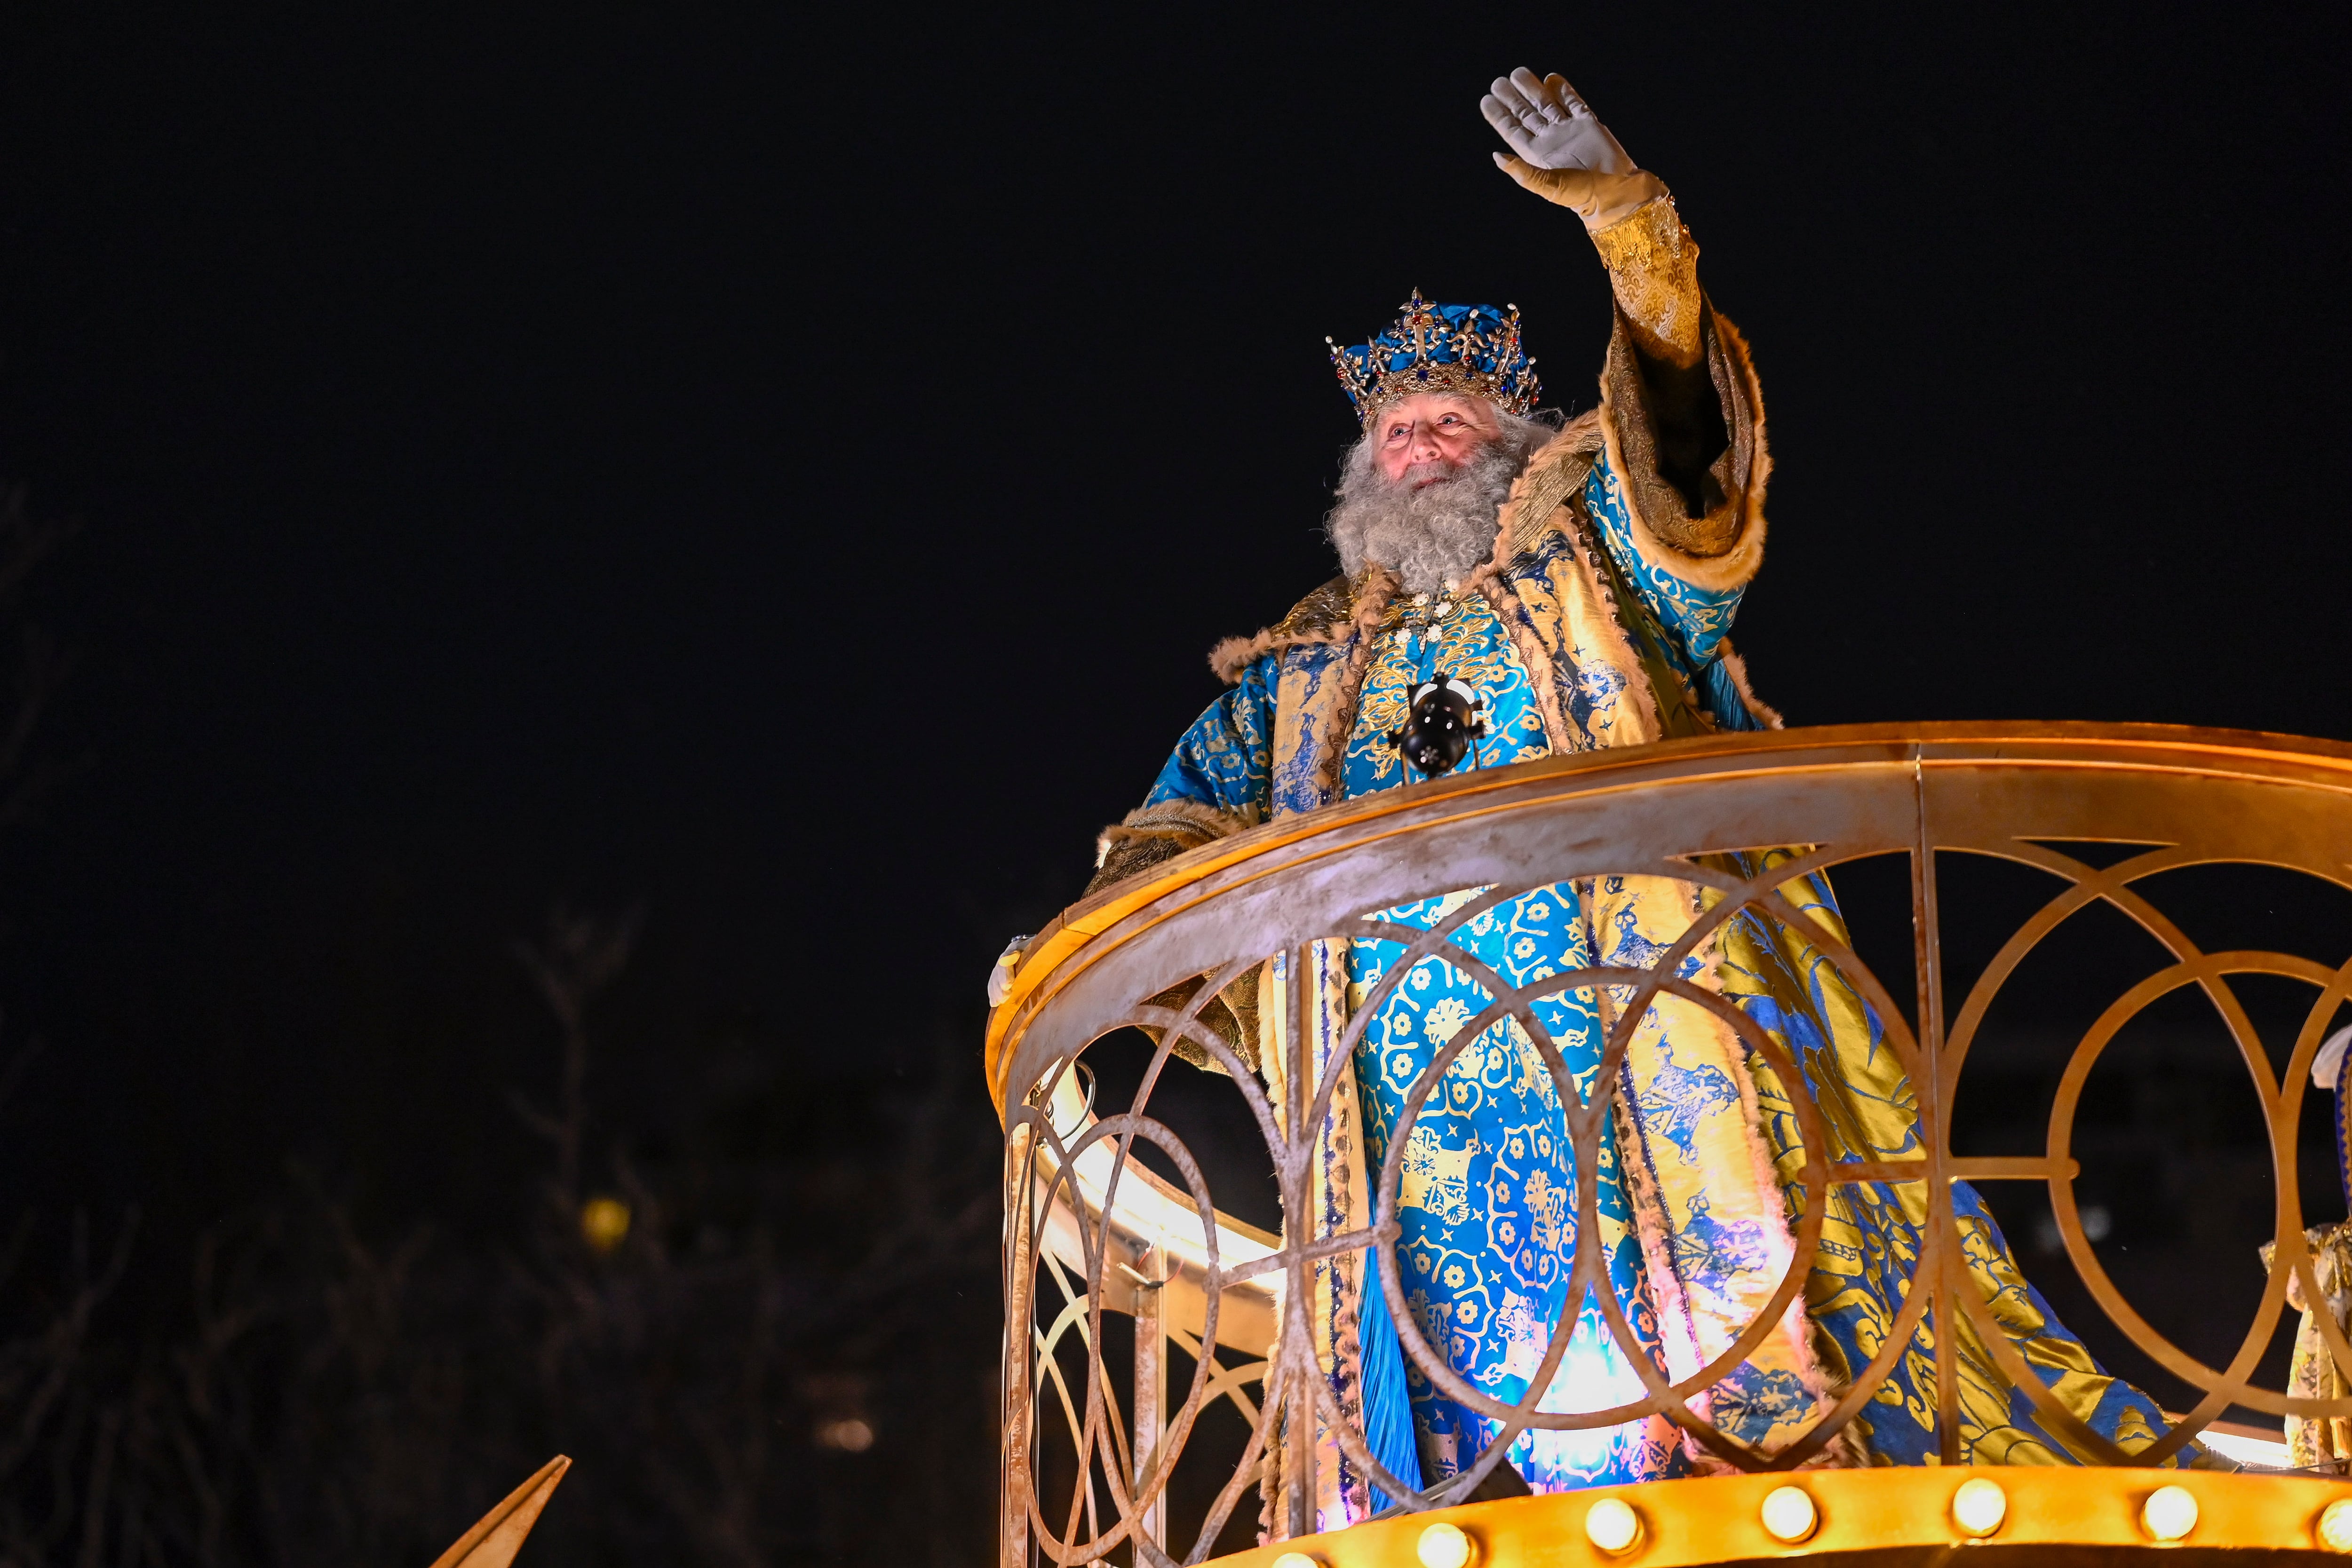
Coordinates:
1789 1514
1444 1546
1979 1506
1296 1560
1611 1525
604 1224
2169 1513
2334 1528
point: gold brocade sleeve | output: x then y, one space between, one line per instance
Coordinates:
1680 408
1652 265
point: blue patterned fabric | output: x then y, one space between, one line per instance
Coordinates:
1487 1196
1488 1176
1696 619
1468 644
1222 760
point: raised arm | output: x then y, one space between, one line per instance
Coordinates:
1680 405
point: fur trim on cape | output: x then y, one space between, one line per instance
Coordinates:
1735 667
1332 613
1554 476
1624 423
1374 593
1150 834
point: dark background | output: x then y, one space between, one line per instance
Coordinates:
780 474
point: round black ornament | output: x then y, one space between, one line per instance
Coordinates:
1441 727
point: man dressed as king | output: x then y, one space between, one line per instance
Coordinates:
1577 582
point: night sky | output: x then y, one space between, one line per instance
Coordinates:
784 475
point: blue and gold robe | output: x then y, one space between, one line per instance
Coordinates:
1591 627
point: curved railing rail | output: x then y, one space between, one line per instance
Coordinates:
1089 1231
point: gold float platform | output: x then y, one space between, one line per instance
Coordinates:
1878 1518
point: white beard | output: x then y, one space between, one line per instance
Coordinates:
1439 534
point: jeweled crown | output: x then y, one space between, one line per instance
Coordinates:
1473 350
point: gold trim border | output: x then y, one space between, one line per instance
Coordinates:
1718 1519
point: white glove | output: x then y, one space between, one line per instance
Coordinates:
1000 979
1545 122
1561 151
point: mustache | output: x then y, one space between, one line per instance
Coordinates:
1425 476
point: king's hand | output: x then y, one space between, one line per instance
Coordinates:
1561 151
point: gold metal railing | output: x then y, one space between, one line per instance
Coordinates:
1089 1231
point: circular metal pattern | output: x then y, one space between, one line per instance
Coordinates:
1979 1507
2169 1513
1789 1514
1612 1526
2334 1531
1086 1221
1444 1546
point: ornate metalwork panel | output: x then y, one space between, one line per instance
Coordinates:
1092 1236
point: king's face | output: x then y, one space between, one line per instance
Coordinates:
1421 439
